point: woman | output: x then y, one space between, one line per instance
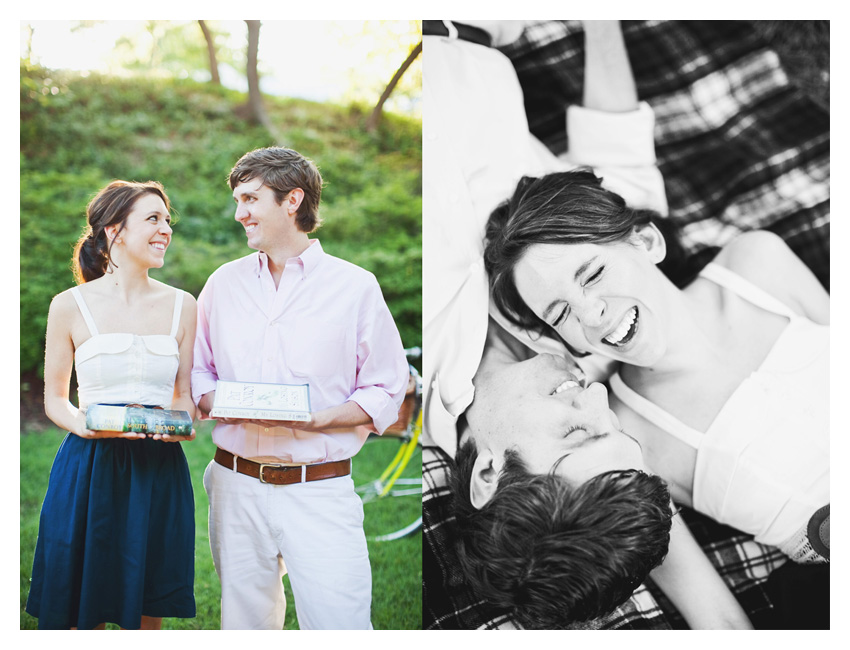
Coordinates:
116 534
724 382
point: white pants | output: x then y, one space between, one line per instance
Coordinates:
313 531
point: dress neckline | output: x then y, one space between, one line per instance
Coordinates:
135 336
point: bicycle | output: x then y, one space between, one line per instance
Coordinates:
393 500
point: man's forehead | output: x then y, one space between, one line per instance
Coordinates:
252 186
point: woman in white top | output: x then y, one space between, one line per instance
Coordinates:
116 535
724 380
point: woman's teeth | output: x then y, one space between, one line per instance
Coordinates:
616 337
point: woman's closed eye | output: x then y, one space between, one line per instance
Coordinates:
593 278
565 311
562 316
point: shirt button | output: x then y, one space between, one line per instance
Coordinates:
267 429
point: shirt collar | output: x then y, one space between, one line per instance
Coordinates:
308 260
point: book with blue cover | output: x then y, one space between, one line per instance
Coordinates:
149 421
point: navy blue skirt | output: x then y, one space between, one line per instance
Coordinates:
116 535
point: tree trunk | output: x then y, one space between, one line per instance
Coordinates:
216 80
255 100
375 117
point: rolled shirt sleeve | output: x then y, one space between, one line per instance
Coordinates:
620 147
382 368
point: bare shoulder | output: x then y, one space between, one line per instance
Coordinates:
758 253
189 308
188 315
64 317
764 259
190 305
63 305
189 301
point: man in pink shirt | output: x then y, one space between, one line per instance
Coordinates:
281 495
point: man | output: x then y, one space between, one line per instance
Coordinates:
281 495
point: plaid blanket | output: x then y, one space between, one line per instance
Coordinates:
739 144
740 148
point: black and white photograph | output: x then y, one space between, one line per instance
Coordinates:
626 324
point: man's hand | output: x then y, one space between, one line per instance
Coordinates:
292 424
345 416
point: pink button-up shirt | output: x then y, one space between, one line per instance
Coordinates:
325 325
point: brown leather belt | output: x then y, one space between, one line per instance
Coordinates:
283 474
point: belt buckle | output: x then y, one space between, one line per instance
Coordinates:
263 466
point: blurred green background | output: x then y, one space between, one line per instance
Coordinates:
161 120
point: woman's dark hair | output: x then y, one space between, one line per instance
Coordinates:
563 208
110 206
552 554
284 170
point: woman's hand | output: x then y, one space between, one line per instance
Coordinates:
164 437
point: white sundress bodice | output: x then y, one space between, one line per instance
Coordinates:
123 368
763 464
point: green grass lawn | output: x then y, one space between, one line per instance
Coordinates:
396 565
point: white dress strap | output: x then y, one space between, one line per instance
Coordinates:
178 305
84 310
745 289
654 414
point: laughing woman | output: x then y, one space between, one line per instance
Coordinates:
116 534
725 382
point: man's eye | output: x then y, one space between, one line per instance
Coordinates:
574 429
